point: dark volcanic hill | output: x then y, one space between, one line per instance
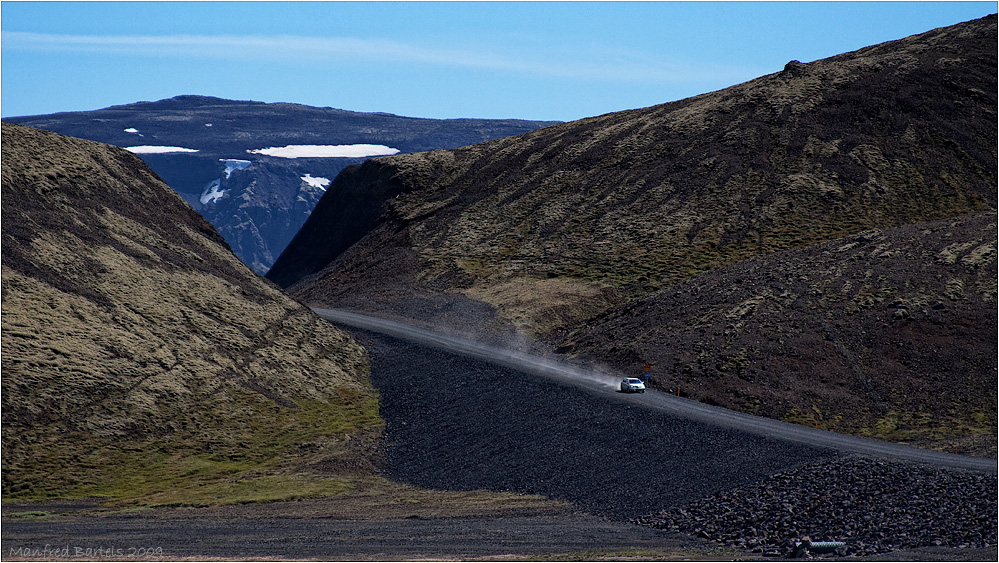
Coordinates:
562 224
888 333
142 360
256 201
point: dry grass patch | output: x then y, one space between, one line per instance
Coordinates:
538 306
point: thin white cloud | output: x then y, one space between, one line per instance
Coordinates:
594 65
277 46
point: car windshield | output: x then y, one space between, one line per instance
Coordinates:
633 380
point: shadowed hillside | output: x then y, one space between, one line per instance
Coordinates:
142 360
887 333
560 225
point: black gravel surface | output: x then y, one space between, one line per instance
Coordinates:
460 423
872 506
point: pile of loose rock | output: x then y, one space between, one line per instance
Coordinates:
870 505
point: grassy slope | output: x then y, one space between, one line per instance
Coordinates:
557 224
142 360
888 333
560 225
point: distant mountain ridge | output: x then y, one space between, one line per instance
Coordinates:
558 226
259 206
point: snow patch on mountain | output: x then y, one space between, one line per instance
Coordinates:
326 151
316 182
155 149
232 164
212 192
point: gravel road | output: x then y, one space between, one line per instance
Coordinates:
456 422
606 383
459 422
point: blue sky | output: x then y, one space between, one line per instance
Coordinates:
531 60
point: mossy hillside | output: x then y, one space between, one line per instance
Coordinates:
641 200
887 334
269 454
955 430
142 360
603 228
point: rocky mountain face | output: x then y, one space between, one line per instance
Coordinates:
142 360
259 200
575 231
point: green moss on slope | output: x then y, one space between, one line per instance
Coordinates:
645 199
142 361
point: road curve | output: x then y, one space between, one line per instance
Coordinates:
676 406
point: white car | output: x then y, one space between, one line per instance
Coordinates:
632 385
